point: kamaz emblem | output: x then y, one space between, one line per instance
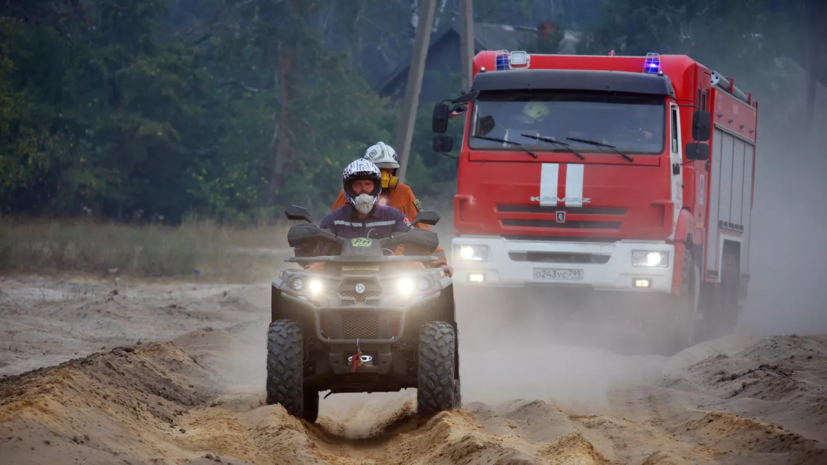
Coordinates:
361 242
558 199
561 217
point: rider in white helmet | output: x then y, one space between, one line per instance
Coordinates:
394 193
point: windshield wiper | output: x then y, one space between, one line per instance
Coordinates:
492 139
601 144
551 140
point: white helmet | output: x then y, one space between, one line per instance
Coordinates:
382 155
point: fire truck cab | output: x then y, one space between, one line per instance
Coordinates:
614 175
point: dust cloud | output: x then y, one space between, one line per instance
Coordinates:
788 254
513 346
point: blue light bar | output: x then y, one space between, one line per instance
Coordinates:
652 63
502 62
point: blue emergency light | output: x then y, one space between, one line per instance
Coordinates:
652 63
502 62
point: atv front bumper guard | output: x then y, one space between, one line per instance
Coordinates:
400 310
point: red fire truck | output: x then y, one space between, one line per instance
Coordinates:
627 177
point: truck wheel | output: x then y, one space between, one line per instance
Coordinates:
688 303
311 405
285 354
436 388
721 308
731 282
677 329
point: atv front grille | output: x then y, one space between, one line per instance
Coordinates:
360 325
359 298
352 303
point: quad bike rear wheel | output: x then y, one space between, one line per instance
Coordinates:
285 354
437 388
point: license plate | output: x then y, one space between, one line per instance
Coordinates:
558 274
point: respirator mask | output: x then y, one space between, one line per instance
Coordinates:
388 181
363 203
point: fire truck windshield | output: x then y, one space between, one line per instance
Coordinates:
631 123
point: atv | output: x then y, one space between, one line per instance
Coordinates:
357 318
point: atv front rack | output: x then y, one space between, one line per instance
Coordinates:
364 259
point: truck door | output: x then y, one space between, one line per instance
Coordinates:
676 161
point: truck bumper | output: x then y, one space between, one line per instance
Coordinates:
598 266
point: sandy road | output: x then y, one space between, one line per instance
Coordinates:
192 392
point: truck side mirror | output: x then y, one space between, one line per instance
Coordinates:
297 213
696 151
443 143
701 125
439 124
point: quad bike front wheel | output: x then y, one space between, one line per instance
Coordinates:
437 388
285 355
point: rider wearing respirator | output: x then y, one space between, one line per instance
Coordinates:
394 193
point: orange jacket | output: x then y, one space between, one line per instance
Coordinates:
401 198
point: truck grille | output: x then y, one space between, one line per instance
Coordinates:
559 257
566 225
360 326
569 210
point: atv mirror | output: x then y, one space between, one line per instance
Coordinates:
701 123
696 151
467 97
429 217
443 143
486 125
294 212
439 124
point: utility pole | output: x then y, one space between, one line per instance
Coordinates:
815 13
466 42
404 130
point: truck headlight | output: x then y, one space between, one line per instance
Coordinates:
472 253
651 259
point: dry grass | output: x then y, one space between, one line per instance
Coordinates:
201 249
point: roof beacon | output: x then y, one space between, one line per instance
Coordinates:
652 63
502 61
519 60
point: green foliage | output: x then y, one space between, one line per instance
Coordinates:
735 38
159 108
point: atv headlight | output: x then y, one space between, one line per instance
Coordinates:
297 284
315 286
651 259
472 253
405 286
